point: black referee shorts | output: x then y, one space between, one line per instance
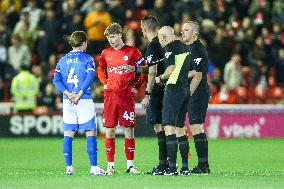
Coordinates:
175 105
197 105
154 110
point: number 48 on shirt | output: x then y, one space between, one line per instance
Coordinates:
130 116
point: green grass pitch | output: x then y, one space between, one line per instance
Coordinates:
235 163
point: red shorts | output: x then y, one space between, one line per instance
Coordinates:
119 109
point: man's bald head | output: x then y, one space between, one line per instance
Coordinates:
166 30
166 35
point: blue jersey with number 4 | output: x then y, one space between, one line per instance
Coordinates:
74 72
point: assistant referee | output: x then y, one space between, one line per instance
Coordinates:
199 94
154 93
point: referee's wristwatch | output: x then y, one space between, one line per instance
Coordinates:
147 93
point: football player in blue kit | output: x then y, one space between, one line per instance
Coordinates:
74 75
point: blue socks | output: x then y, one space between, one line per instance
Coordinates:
67 150
92 150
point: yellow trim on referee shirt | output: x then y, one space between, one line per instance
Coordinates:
179 60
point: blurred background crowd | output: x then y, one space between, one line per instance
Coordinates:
245 41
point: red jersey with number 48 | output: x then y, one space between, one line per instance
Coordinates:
113 69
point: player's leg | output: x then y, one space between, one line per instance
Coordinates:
129 148
168 122
197 112
183 149
126 109
172 105
110 149
159 130
92 149
87 121
154 117
70 126
67 151
172 148
110 117
201 146
162 145
182 137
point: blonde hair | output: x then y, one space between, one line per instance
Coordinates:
195 27
113 28
77 38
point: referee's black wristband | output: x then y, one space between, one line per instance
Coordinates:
147 93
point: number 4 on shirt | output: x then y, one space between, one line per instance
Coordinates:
72 78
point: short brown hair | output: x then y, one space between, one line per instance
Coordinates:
77 38
150 22
113 28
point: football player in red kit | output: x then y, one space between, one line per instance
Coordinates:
116 71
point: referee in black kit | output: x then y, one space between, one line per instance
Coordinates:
175 97
154 93
199 94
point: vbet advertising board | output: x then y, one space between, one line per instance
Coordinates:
221 122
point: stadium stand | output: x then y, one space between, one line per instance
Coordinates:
254 29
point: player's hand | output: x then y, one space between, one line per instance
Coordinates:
129 68
145 101
134 90
71 96
77 97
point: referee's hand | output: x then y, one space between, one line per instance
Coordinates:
145 102
159 81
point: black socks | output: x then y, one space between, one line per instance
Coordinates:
201 146
162 142
184 150
172 148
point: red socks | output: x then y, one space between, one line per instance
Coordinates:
110 149
129 148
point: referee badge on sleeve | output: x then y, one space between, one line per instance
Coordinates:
168 54
197 60
149 58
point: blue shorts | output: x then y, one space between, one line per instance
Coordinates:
79 117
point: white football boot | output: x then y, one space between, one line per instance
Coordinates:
69 170
96 170
110 170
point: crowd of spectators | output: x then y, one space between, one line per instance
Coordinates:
245 41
